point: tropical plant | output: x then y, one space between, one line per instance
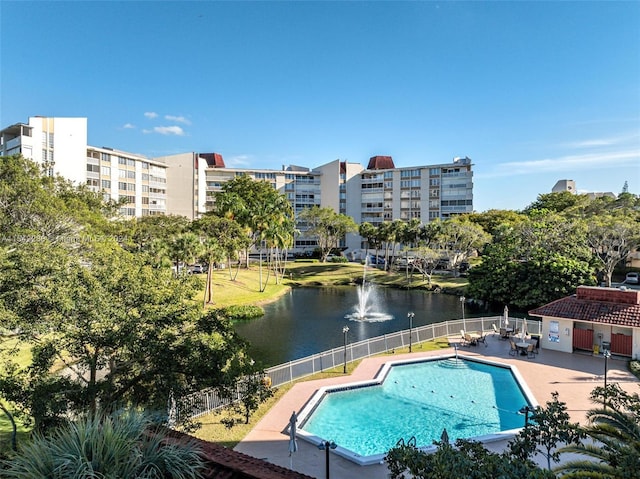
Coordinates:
614 427
124 444
327 226
545 431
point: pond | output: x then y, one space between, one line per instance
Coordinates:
310 320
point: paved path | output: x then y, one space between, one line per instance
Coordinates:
573 376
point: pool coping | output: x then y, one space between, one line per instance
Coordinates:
310 406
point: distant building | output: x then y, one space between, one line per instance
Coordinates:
60 145
564 185
379 193
570 186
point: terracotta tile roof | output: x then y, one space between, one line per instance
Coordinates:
597 305
380 163
214 160
225 463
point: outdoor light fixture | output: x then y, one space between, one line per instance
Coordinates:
606 354
410 316
326 445
345 330
526 410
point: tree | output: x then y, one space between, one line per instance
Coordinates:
539 260
35 207
254 205
369 233
561 202
184 248
612 238
124 444
546 430
123 332
492 220
614 427
468 459
327 226
456 239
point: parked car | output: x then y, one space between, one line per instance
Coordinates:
197 269
632 278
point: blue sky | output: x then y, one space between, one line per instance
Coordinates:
532 92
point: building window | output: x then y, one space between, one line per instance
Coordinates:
122 160
131 174
106 184
50 140
145 188
105 171
92 182
145 176
44 155
105 157
122 185
122 173
145 165
93 168
434 182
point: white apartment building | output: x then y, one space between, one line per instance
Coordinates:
60 145
185 184
376 194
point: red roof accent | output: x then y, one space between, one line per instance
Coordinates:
214 160
225 463
615 306
380 163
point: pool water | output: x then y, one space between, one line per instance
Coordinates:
467 398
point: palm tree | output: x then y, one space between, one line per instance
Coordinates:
121 445
184 247
614 427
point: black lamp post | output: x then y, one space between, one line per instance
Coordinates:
607 354
345 330
410 316
326 445
526 410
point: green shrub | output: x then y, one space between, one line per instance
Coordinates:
634 367
242 313
339 259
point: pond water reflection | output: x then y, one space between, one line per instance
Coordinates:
310 320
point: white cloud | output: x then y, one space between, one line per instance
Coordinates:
169 130
569 163
150 114
128 126
178 119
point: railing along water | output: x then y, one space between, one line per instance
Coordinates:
205 401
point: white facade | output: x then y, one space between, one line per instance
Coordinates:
60 145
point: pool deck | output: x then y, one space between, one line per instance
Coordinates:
573 376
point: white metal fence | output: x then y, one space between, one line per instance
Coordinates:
208 400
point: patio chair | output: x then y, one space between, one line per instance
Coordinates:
513 350
531 351
503 333
464 339
495 330
471 341
483 339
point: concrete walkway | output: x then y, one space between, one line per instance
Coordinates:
573 376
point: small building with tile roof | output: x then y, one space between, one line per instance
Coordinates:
593 319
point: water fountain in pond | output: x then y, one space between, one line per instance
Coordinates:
367 307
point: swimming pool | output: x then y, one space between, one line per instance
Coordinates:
471 398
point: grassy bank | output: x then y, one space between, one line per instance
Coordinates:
246 288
